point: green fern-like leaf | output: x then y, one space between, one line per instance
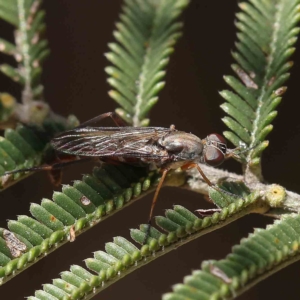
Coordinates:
122 257
267 33
76 208
24 147
30 49
146 34
263 253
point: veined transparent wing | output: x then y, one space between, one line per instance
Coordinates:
112 141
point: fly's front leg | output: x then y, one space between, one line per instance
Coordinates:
114 116
209 183
193 165
214 186
161 181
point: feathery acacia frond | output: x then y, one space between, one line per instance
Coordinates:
29 49
267 33
77 207
146 35
121 257
145 39
29 52
25 146
263 253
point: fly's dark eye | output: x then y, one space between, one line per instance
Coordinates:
214 137
213 156
215 150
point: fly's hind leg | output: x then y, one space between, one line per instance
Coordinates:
161 181
53 169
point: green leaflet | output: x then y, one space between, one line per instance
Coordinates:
145 36
261 254
30 48
77 207
25 147
267 33
122 256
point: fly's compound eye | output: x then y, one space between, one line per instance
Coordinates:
215 150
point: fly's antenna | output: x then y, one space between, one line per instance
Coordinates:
233 152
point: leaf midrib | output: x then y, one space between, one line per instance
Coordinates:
254 133
142 77
24 47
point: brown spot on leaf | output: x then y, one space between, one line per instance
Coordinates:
207 212
252 75
280 91
271 81
52 218
85 201
34 7
35 39
14 252
15 246
247 80
72 233
6 179
39 106
18 57
35 63
219 273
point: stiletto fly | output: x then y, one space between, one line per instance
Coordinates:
156 147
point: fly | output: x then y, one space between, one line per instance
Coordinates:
156 147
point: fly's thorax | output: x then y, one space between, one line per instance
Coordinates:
184 146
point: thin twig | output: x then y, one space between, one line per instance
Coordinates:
290 201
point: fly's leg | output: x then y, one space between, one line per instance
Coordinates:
114 116
52 169
161 181
209 183
214 186
55 166
204 176
193 165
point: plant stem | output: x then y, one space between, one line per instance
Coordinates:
22 42
194 182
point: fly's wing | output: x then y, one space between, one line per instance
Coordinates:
112 141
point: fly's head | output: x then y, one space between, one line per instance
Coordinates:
215 149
